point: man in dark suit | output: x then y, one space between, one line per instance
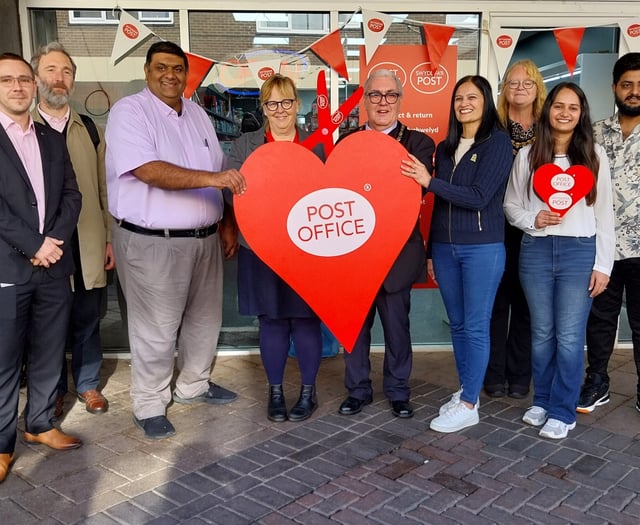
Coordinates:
383 92
39 208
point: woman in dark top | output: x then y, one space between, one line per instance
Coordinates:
282 314
467 234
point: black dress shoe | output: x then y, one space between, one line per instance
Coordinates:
353 405
401 409
518 391
494 390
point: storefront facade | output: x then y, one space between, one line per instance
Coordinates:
234 33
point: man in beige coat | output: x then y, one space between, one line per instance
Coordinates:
55 74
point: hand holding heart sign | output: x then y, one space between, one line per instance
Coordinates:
331 231
560 189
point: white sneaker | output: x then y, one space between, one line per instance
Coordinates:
535 416
456 418
556 429
455 399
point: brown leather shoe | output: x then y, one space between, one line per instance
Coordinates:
94 401
53 438
5 463
59 406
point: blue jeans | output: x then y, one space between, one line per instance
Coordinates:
555 274
468 276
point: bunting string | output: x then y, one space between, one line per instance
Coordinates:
329 48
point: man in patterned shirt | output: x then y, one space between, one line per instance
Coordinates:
620 136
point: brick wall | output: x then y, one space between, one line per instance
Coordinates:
97 39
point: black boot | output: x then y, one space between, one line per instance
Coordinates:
306 404
277 410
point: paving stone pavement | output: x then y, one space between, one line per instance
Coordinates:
229 465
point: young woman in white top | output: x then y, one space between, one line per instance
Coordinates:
564 261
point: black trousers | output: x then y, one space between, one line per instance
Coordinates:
603 319
393 309
33 315
510 357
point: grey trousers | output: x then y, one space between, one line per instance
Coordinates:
172 286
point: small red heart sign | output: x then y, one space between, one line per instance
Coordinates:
331 231
562 189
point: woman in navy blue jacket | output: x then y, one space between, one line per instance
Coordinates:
467 235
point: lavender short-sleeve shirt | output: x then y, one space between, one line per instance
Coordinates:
141 129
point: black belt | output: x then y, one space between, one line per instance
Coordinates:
197 233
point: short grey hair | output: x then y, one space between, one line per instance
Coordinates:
48 48
383 73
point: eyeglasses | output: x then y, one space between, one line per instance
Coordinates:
23 81
285 104
526 84
375 97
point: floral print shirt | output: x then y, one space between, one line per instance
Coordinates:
624 160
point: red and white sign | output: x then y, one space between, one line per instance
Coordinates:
374 27
130 31
561 189
633 30
429 82
503 43
331 231
263 69
331 222
630 30
130 35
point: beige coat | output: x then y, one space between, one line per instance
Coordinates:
94 224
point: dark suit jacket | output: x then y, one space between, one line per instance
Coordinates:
410 265
19 235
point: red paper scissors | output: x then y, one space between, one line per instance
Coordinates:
328 123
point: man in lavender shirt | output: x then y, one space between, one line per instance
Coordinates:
164 182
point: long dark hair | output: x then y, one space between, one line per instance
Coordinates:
489 121
581 148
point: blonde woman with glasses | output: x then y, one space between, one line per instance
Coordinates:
282 313
522 94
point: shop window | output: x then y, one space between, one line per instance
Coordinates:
93 16
300 23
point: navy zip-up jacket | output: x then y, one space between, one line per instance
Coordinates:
468 197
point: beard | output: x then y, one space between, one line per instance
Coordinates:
625 109
55 99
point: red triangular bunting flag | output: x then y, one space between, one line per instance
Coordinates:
569 42
437 37
199 67
329 50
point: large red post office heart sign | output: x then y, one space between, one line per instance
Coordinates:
331 231
561 189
